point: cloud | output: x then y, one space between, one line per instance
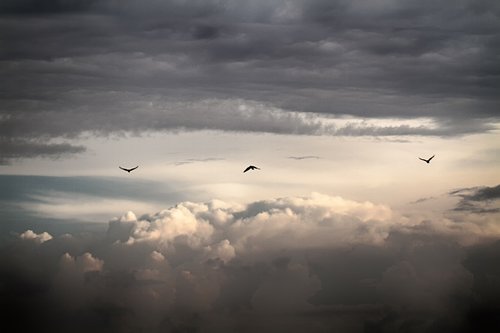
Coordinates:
319 262
27 188
13 149
194 160
486 193
307 157
223 251
478 199
421 200
76 204
82 264
38 238
110 67
31 7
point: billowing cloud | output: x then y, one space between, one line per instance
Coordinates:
319 262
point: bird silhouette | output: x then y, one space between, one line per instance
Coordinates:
128 170
427 160
251 167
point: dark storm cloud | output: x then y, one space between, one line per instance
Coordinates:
478 199
317 264
37 7
109 66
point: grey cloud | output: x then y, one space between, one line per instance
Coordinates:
44 7
195 160
486 193
18 188
21 195
12 149
170 271
422 200
306 157
401 279
478 199
96 66
228 114
480 261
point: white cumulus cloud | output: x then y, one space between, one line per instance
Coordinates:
39 238
286 263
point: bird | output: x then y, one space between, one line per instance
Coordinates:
128 170
427 160
251 167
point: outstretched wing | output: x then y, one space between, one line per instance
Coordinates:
123 168
431 158
134 168
420 158
251 167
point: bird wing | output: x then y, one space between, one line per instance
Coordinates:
134 168
432 157
123 168
420 158
248 168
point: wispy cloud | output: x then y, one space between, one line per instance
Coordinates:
478 199
42 198
12 149
421 200
306 157
198 160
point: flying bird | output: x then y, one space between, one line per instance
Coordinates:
251 167
427 160
128 170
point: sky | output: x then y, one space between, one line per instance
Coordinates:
343 228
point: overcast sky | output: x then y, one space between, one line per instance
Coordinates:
335 101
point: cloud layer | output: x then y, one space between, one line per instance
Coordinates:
101 67
319 263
